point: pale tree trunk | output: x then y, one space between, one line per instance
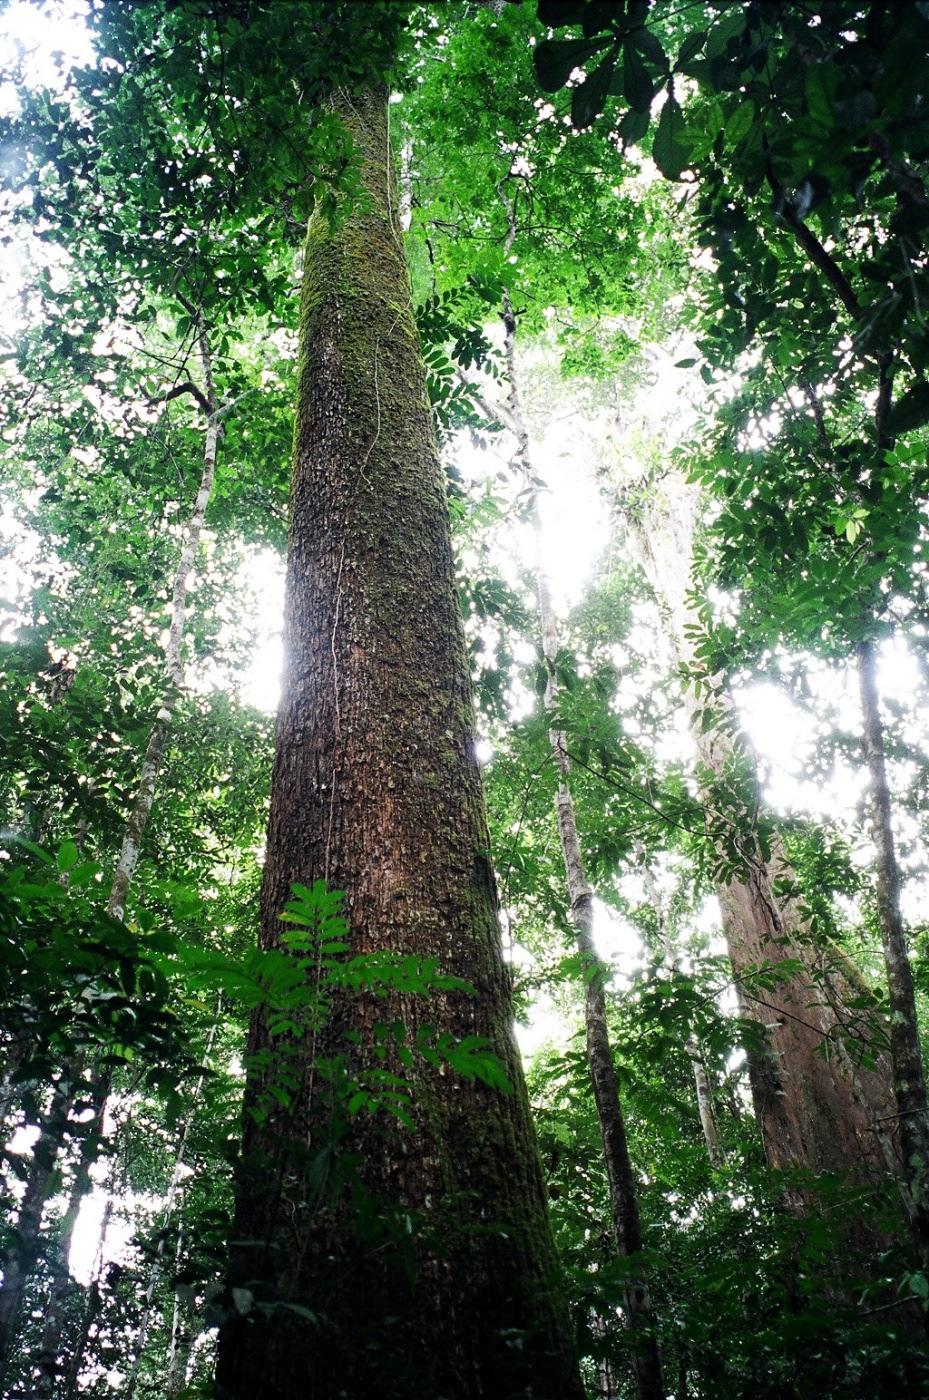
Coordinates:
185 1329
167 1211
825 1115
173 658
62 1285
624 1206
703 1090
705 1107
22 1254
912 1115
91 1307
377 791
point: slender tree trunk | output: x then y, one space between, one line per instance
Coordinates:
376 790
183 1340
912 1116
822 1114
185 1330
23 1250
167 1211
702 1088
47 1360
624 1205
91 1308
174 659
26 1243
704 1092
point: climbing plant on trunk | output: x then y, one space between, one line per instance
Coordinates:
377 792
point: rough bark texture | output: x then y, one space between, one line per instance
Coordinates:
912 1116
429 1273
822 1114
624 1205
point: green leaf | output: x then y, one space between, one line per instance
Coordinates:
556 59
588 100
633 126
67 856
638 87
739 123
724 31
690 48
650 45
554 13
670 151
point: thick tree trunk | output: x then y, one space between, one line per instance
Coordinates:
422 1268
912 1115
624 1205
821 1114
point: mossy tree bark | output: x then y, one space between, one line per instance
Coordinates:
429 1272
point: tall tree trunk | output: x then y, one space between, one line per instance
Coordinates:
47 1360
24 1250
377 791
91 1309
624 1205
167 1212
703 1089
822 1114
185 1329
912 1115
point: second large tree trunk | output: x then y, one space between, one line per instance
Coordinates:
391 1261
817 1112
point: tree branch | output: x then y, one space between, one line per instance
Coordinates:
188 387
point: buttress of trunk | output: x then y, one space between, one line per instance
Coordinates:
376 789
912 1117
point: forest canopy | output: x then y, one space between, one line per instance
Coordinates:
463 677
